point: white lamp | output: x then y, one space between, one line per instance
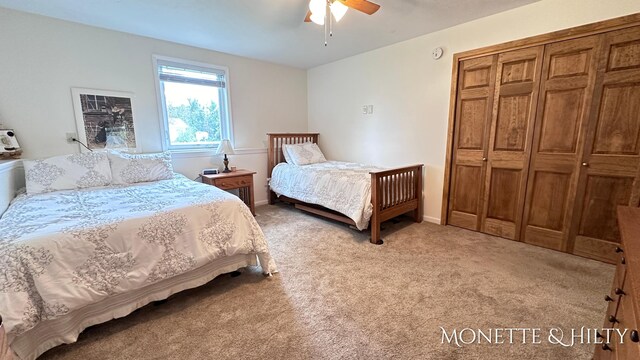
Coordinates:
225 148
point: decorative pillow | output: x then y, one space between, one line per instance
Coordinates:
304 154
135 168
67 172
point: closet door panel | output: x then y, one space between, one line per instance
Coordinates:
618 123
511 132
476 80
568 79
464 203
611 159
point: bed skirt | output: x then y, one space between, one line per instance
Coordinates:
65 329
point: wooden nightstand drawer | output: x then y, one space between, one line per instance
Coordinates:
233 183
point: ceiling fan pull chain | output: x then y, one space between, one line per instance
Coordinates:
330 19
325 34
326 15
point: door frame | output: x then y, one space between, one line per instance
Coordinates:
556 36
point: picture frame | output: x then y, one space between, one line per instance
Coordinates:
105 119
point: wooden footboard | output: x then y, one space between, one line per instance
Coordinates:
395 192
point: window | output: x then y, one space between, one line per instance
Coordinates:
194 104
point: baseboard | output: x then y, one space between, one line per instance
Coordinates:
431 219
262 202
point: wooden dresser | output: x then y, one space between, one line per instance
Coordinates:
623 311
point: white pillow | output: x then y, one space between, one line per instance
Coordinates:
135 168
67 172
287 158
305 154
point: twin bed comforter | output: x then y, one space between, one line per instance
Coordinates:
340 186
64 250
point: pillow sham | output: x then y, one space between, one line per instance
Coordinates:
67 172
305 154
135 168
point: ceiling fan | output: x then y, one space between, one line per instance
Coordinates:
324 12
318 9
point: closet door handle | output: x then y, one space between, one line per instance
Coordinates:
585 164
484 159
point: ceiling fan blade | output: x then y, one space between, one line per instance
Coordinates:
365 6
308 17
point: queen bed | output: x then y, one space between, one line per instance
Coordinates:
71 259
359 195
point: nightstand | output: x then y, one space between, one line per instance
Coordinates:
241 180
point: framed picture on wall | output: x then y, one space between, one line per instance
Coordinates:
105 119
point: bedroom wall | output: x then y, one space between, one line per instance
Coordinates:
43 58
410 90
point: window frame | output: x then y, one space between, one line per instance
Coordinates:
226 120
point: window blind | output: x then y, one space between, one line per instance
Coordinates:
190 75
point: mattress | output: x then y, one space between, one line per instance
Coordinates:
63 251
340 186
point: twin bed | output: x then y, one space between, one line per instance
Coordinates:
351 193
72 259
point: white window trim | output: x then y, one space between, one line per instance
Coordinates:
225 107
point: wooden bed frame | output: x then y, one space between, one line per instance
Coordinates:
393 192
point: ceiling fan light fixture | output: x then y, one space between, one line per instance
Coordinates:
338 10
317 17
317 7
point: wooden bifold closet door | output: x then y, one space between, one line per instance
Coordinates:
568 77
610 164
514 105
546 142
497 97
474 104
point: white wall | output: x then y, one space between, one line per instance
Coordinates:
41 59
410 91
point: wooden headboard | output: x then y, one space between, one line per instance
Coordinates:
276 140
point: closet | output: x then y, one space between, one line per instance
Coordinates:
545 138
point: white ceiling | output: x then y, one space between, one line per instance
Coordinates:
271 30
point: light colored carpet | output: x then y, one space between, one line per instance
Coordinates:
339 297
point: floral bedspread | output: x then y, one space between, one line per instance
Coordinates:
63 250
340 186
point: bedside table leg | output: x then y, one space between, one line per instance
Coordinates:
252 201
